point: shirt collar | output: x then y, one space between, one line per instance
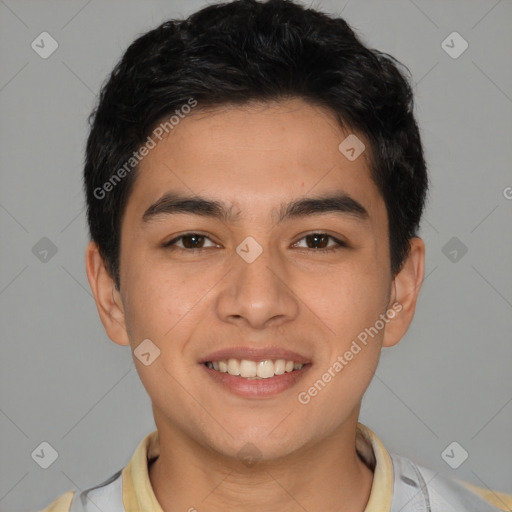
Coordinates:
373 452
138 494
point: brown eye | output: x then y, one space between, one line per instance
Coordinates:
193 241
189 241
320 241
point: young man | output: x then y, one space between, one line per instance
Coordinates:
255 181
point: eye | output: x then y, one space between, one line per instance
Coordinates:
196 241
189 241
318 241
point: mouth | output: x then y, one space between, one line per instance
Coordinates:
254 370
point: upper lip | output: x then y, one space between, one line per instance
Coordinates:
255 354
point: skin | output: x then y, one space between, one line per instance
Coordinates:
254 158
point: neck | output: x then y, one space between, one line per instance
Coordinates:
328 475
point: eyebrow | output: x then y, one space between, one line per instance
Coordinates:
172 203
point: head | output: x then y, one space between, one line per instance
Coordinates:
269 130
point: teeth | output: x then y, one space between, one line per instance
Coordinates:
279 367
233 367
247 368
265 369
254 370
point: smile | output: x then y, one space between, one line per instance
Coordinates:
254 370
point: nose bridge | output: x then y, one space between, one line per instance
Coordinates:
257 289
255 278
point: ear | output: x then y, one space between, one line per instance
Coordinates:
106 295
405 290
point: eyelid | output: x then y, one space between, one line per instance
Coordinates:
172 242
339 243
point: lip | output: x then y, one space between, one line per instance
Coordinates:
255 354
256 388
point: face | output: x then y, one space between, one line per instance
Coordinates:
254 273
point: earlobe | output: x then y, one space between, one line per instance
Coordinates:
107 297
406 288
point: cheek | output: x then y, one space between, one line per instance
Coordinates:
347 299
161 309
350 349
163 303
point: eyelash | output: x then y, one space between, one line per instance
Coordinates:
172 243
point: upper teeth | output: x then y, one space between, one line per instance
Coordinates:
252 369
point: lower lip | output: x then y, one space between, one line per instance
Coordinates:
257 388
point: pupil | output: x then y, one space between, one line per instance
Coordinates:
190 237
316 237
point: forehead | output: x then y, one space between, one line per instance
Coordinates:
256 157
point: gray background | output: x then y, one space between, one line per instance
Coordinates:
63 381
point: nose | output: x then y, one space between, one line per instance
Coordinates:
258 293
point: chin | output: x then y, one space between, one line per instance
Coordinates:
257 443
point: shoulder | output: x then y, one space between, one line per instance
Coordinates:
107 496
499 499
418 488
61 504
